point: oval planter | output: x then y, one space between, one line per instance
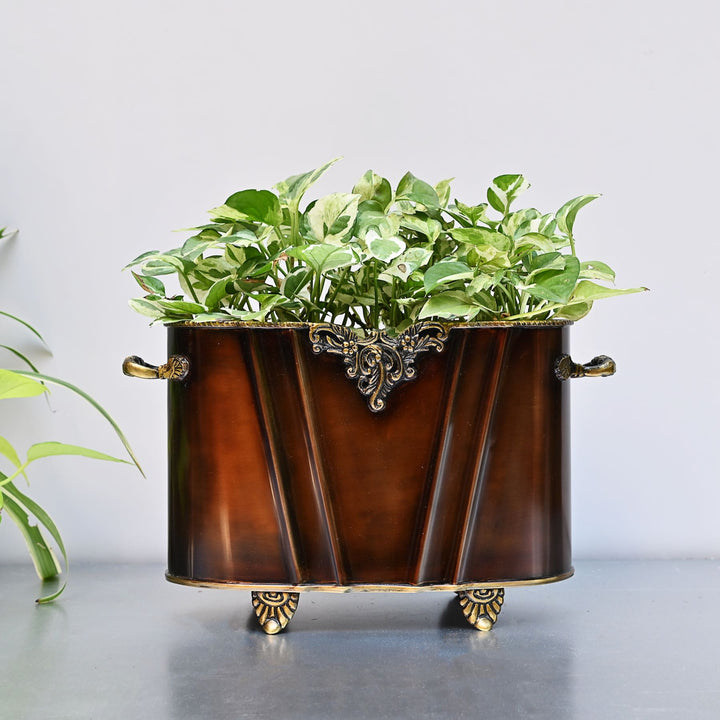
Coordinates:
304 457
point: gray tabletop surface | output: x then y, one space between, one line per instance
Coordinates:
626 640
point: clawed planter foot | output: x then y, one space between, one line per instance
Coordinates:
274 610
482 607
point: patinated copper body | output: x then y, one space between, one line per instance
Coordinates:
280 474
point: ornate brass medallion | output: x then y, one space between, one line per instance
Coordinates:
482 607
274 610
176 368
378 361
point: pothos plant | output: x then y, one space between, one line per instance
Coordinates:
376 257
31 519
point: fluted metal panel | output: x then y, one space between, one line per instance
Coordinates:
279 473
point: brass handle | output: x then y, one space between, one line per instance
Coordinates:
600 366
176 368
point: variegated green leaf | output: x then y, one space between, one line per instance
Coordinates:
450 305
180 307
217 292
267 303
149 308
443 190
262 244
585 293
373 187
384 248
332 217
257 205
474 214
407 263
482 236
323 258
295 282
521 222
555 285
427 226
595 270
413 189
566 215
293 189
150 284
533 242
444 273
504 189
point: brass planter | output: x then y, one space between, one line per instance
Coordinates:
302 457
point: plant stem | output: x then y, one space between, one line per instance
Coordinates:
191 288
340 282
315 293
352 316
294 218
394 305
279 235
376 306
572 242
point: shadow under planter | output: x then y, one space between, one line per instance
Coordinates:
306 457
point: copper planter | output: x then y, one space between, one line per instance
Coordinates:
305 458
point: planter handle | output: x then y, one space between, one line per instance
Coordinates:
600 366
176 368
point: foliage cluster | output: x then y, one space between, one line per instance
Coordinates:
376 257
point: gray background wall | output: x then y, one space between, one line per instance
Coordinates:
123 120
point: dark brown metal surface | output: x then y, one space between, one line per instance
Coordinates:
279 473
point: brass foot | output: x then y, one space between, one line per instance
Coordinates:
274 610
482 607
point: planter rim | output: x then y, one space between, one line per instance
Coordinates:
365 587
301 325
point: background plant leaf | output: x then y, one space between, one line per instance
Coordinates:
51 448
40 551
93 403
27 325
16 384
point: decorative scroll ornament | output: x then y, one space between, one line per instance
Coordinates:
274 610
482 607
378 361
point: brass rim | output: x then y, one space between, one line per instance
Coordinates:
302 325
279 587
